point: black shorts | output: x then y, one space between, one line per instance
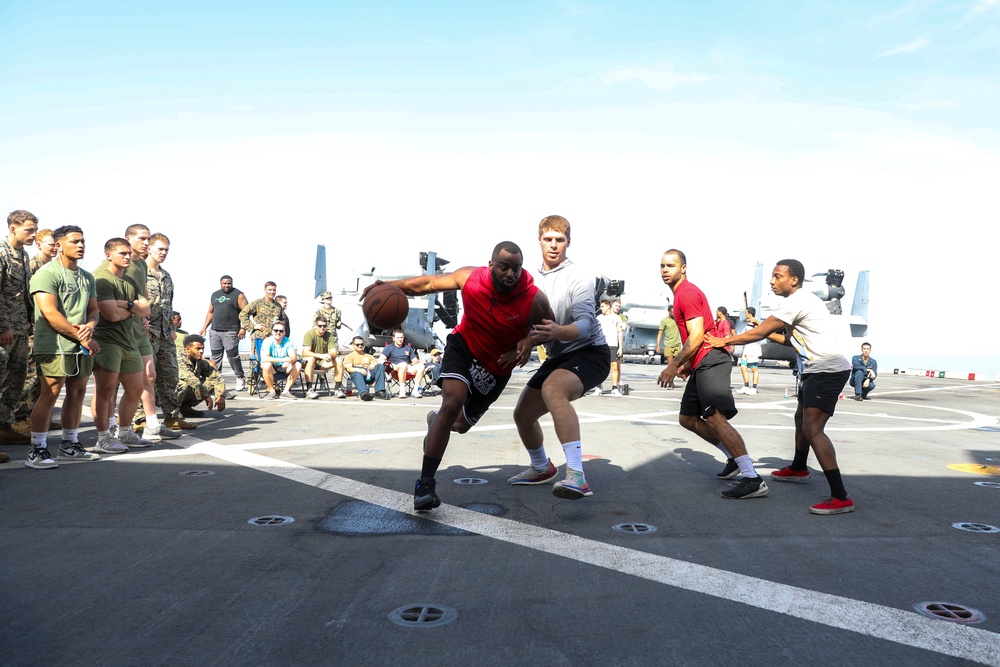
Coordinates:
707 390
484 387
822 390
613 352
591 364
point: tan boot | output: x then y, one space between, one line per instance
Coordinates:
179 423
4 457
22 426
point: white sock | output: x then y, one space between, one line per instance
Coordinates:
104 435
38 440
574 455
152 422
746 465
112 422
539 461
70 434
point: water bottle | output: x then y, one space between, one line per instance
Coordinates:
786 392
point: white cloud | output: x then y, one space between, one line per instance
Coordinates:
915 45
655 79
893 15
930 104
984 6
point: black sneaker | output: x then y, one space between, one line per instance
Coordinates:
748 487
731 470
424 498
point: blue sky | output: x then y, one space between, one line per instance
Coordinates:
853 135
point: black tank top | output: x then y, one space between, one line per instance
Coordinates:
226 316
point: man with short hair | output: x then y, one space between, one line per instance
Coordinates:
16 316
668 339
707 404
404 360
334 323
121 303
824 373
499 305
864 370
66 312
283 302
198 381
366 371
224 317
162 337
750 359
614 332
45 252
278 355
317 350
258 316
576 362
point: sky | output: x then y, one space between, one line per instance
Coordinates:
850 135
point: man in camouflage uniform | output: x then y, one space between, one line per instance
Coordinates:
332 315
45 252
260 315
160 292
199 380
17 315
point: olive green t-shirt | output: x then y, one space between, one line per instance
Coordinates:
112 288
73 291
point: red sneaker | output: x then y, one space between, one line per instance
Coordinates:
833 506
786 474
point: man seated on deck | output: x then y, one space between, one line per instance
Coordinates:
404 360
864 370
278 355
318 350
198 380
366 371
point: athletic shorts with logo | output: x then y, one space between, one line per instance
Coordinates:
484 387
707 390
822 390
591 364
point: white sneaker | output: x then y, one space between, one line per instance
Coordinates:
752 391
402 393
615 392
339 393
128 437
240 384
597 392
110 445
744 390
289 395
160 433
74 451
416 393
312 394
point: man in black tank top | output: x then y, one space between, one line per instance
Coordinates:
224 317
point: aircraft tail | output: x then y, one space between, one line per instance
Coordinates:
320 270
753 300
859 310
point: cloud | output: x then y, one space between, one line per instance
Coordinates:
894 14
915 45
984 6
657 80
930 104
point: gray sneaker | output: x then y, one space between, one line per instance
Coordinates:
160 433
74 451
110 445
312 394
40 459
128 437
270 396
533 477
289 395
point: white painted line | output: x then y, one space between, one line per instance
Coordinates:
895 625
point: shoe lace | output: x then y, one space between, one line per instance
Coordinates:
42 453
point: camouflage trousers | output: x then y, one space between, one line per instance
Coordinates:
13 369
188 395
32 387
165 362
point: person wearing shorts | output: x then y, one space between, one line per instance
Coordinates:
500 303
576 361
707 405
614 332
65 299
120 303
825 372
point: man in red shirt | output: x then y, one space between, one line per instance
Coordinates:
707 404
500 305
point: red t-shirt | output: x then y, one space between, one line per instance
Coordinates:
690 303
492 323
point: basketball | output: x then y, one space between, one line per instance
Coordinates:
385 307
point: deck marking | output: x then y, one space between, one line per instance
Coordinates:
895 625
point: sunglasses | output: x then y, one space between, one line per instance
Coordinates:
278 330
359 345
320 326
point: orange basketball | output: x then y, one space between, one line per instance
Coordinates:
385 307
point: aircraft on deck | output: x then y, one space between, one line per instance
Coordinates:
830 291
424 311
